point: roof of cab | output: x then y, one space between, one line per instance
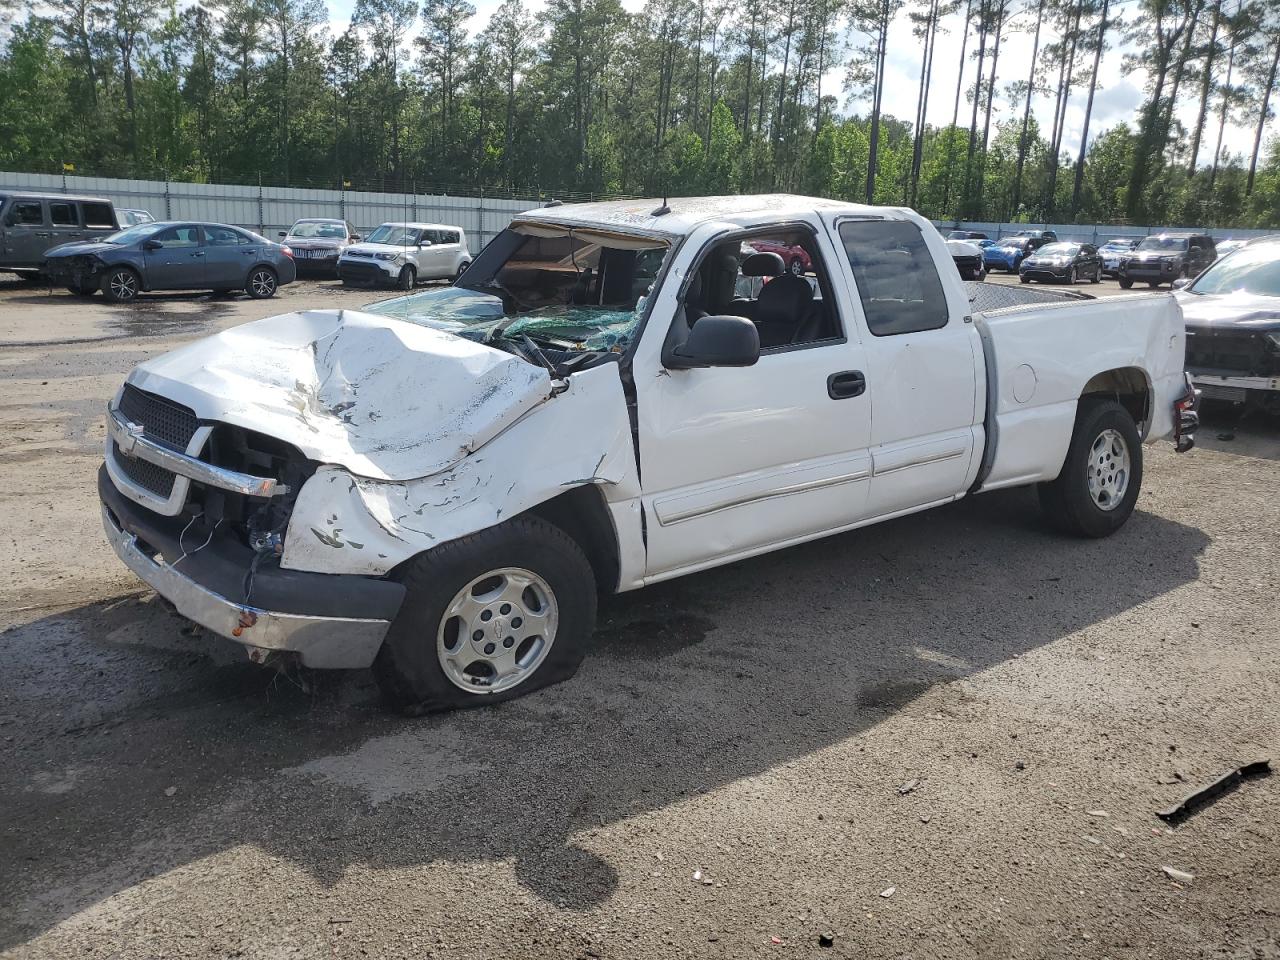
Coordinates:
51 195
421 226
688 213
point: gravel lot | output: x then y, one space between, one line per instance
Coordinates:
755 727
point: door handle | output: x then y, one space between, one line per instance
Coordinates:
847 383
198 254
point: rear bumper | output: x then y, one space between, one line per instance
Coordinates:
1186 416
329 621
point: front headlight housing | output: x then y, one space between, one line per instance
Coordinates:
389 256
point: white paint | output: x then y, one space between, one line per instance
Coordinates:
380 397
426 437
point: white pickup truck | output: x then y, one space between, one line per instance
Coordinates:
613 394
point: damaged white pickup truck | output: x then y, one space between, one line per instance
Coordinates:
613 394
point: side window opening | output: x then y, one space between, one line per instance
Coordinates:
97 215
896 276
178 237
26 213
221 237
776 280
62 214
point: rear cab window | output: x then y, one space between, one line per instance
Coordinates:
896 276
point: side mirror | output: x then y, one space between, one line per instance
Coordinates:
424 243
717 341
283 233
1182 282
355 238
152 245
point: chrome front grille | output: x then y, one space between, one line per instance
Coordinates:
162 420
154 479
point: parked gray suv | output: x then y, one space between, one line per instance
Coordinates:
172 256
31 223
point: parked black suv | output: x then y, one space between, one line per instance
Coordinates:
1163 258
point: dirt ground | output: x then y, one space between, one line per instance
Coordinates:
944 736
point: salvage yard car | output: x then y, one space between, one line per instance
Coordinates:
401 254
171 256
317 243
31 223
1233 327
438 487
1063 262
1166 257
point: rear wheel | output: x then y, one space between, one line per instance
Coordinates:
121 285
462 269
1097 275
1098 487
1073 276
491 616
261 284
1024 278
796 266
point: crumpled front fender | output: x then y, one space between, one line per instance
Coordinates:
343 523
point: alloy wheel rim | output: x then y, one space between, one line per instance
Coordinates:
497 631
123 286
1109 469
263 282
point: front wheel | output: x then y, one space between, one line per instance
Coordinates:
1098 487
261 284
1125 283
81 290
404 281
1022 277
121 285
796 266
1097 275
491 616
1073 276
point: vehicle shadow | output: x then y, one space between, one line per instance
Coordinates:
1243 433
135 754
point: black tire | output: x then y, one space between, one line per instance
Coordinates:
121 285
462 268
262 283
1072 277
1097 275
408 667
1066 501
81 291
1153 284
1125 283
28 276
1024 278
406 278
796 266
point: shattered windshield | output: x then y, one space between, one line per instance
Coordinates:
567 288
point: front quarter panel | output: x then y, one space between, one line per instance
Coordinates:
343 523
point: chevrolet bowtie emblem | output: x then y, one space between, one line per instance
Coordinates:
133 433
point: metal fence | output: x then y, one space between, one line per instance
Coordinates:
1095 233
269 209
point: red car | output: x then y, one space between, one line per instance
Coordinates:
796 258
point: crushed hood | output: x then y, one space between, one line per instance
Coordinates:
385 399
1230 309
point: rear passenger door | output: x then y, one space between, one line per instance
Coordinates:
923 358
226 258
64 222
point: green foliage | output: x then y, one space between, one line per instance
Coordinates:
683 97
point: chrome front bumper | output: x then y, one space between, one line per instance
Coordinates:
322 642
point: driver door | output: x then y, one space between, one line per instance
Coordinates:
178 262
735 461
